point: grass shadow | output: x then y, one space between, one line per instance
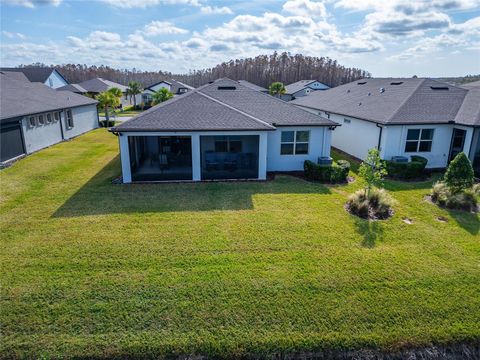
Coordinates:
371 231
467 221
99 196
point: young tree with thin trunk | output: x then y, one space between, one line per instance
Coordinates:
134 88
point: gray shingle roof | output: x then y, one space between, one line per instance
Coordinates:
297 86
252 86
402 101
469 112
34 74
223 105
20 98
175 86
17 75
73 88
471 85
98 85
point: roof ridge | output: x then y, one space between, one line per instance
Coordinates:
405 101
237 110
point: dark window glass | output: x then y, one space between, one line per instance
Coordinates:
413 134
425 146
235 146
301 149
221 146
427 134
41 120
303 136
286 149
411 146
56 116
288 136
49 118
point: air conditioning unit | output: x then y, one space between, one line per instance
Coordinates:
399 159
325 161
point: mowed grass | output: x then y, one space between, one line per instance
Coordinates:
92 269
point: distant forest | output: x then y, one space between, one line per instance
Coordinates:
261 70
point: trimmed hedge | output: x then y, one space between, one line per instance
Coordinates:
414 169
335 173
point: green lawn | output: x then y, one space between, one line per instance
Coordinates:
91 269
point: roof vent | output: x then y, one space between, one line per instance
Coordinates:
361 83
348 91
369 94
396 83
439 87
227 88
210 82
359 103
382 90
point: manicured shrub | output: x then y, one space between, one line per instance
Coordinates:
459 175
407 171
476 189
378 204
104 123
442 195
336 173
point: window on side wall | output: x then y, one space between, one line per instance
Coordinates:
294 142
31 122
56 116
69 119
41 119
49 118
419 140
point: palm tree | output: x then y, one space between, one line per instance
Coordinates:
134 88
106 101
161 95
277 89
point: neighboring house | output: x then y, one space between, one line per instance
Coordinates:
222 130
95 86
174 86
34 116
45 75
302 88
253 86
402 117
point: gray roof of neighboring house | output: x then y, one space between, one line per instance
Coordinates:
297 86
252 86
469 112
35 74
402 100
471 85
73 88
222 105
98 85
17 75
20 98
175 85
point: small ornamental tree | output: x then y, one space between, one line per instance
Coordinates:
161 95
277 89
372 170
459 175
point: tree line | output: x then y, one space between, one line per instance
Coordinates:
262 70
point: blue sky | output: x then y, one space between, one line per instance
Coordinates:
385 37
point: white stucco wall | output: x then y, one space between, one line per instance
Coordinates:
55 80
319 145
39 137
84 119
394 139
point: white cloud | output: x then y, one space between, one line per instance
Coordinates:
155 28
32 3
215 10
127 4
305 8
13 35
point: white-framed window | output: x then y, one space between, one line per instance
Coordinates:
49 118
41 119
294 142
69 119
419 140
56 116
32 121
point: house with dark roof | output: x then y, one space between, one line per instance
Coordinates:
302 88
45 75
174 86
222 130
402 117
34 116
95 86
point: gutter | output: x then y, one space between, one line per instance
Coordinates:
379 136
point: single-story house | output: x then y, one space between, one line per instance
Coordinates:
222 130
45 75
253 86
174 86
34 116
302 88
95 86
402 117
